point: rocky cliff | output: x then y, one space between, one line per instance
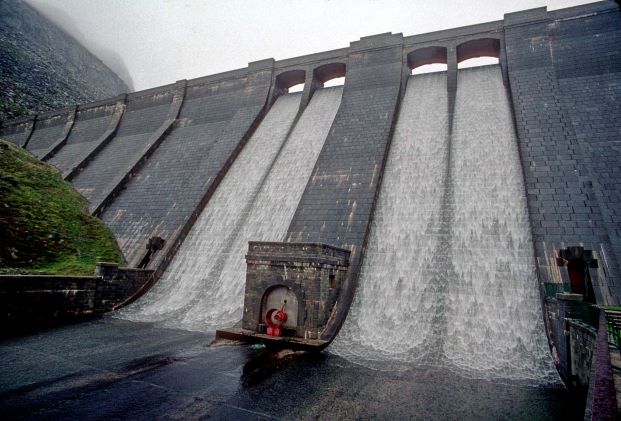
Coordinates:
43 68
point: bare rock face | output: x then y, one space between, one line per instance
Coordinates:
43 68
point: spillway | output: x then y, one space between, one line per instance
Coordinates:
195 265
391 318
272 210
203 287
449 277
493 311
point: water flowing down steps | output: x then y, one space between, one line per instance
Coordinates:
390 318
203 287
449 277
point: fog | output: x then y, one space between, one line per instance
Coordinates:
156 42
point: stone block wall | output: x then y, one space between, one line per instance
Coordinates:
587 60
315 273
562 198
38 300
582 344
573 337
18 131
119 286
214 122
26 300
50 129
337 205
144 114
89 130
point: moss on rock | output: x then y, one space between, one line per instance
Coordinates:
44 225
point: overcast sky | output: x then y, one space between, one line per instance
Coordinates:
162 41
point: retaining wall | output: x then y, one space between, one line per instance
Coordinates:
561 171
38 300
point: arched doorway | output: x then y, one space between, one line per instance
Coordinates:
577 261
277 297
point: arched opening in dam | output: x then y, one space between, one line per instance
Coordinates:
281 297
449 203
448 278
478 52
427 60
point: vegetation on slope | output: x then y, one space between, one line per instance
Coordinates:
44 227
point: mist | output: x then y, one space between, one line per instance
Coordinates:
155 42
70 25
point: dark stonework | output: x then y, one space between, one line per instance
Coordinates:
93 126
18 131
315 273
573 337
145 113
337 205
38 300
216 119
601 401
563 156
50 131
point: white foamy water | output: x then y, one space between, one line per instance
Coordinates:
461 293
493 311
272 210
197 263
391 318
204 285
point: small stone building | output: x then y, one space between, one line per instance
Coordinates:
303 278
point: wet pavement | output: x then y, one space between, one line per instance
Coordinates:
115 369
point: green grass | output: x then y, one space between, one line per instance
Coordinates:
44 225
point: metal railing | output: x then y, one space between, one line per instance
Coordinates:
613 326
553 288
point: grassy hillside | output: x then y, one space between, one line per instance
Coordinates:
44 227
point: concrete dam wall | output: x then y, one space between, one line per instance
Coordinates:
456 193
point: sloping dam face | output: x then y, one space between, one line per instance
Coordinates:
449 278
203 287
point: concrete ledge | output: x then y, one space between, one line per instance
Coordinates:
31 301
272 341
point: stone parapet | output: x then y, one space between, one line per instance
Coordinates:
28 301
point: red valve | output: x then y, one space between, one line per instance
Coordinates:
275 319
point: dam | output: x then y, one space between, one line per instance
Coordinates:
473 265
461 197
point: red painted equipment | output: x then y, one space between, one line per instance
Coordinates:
275 319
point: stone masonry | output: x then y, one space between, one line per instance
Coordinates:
561 69
315 273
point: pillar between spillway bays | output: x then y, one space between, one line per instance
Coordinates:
63 137
451 82
31 130
311 83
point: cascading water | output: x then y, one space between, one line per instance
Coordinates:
494 320
391 318
203 287
478 311
272 210
194 268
